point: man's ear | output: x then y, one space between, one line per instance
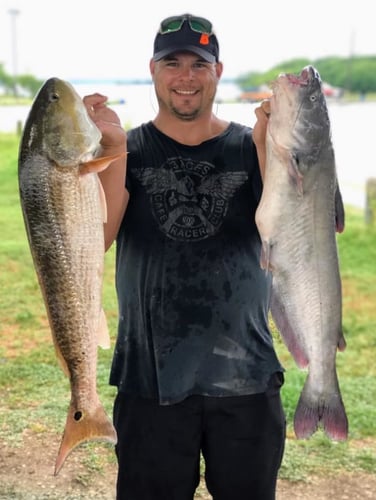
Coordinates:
152 68
219 69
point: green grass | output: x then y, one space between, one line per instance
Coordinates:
34 393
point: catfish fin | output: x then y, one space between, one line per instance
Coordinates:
295 174
265 256
341 342
339 210
327 410
281 320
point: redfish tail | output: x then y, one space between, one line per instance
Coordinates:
326 410
84 426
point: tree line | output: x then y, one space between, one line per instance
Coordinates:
353 74
26 84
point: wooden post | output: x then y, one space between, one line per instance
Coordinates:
370 215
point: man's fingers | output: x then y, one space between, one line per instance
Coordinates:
95 98
93 101
266 106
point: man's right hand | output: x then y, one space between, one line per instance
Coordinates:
113 135
113 142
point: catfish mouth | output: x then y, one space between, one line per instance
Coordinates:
306 76
289 81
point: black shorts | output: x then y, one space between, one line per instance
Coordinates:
241 439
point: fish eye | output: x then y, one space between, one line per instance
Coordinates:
312 98
55 96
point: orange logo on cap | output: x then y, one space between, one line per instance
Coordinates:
204 39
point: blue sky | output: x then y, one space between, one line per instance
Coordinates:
113 38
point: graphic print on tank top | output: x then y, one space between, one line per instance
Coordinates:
188 199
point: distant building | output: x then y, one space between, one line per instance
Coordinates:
256 94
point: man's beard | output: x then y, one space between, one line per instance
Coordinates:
185 116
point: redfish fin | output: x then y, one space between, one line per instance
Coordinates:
103 201
81 427
281 320
60 357
103 333
99 164
327 411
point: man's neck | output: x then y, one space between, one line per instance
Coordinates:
192 132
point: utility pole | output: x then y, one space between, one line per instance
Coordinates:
13 25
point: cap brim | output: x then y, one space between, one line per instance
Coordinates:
186 48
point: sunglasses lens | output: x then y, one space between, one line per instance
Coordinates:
200 25
171 24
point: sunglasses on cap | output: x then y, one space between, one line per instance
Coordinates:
175 23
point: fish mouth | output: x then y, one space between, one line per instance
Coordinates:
289 81
307 75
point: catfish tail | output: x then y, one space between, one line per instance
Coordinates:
325 409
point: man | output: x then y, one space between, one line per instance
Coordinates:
194 361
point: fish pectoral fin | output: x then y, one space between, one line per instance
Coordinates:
61 359
339 211
102 201
103 333
99 164
282 322
295 174
341 346
265 256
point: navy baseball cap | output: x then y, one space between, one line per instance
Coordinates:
186 33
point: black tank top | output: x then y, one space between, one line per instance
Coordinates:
193 300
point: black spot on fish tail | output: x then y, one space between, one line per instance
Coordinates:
83 426
78 415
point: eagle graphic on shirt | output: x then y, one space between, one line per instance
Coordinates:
189 201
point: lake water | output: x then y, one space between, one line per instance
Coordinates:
352 127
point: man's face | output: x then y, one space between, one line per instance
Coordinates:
185 84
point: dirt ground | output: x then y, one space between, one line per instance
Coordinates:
26 473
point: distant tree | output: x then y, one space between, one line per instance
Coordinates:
29 84
356 74
11 85
333 69
362 75
6 81
254 80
